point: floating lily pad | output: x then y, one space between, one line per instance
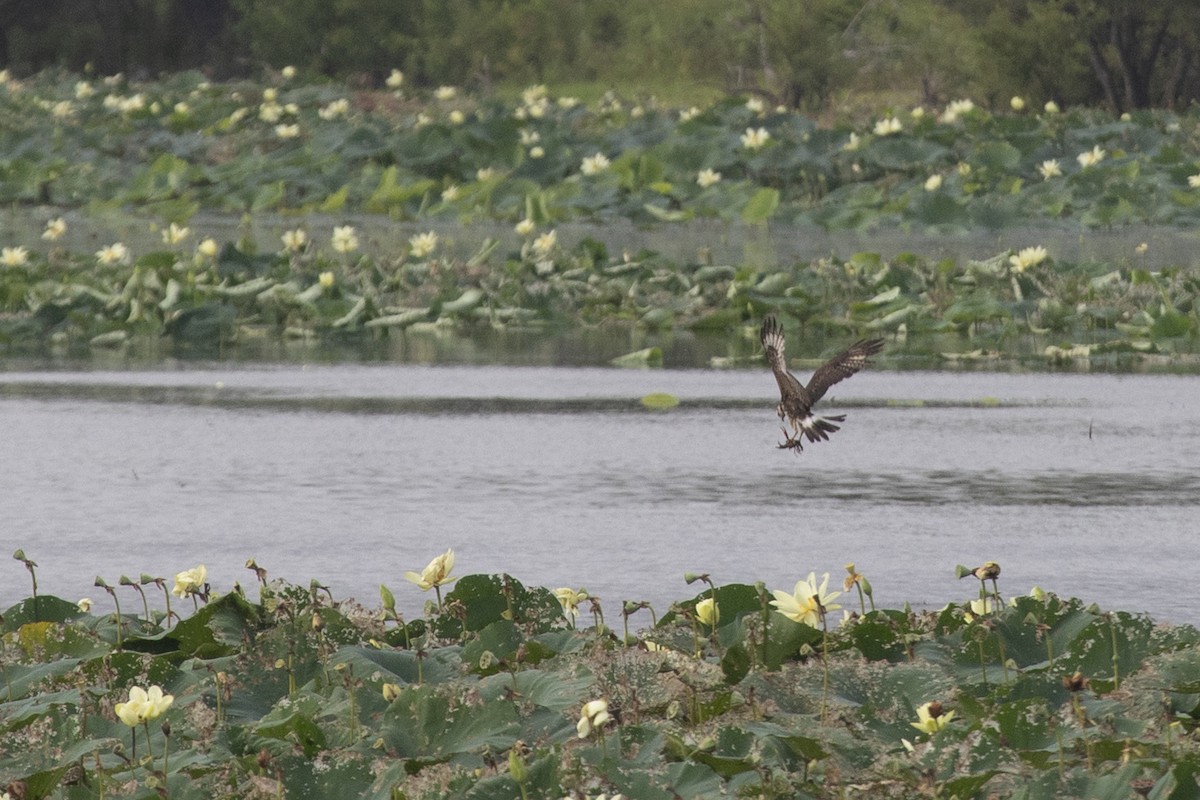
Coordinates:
660 401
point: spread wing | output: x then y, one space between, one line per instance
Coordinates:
842 366
771 335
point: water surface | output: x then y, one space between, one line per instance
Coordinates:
1083 484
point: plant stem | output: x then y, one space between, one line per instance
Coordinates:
983 662
1116 662
825 668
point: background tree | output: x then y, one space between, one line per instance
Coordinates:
810 54
796 53
920 45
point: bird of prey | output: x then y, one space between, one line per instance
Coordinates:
797 400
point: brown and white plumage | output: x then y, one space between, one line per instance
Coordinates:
796 399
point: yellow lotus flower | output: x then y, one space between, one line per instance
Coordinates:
1050 169
1091 157
570 599
270 111
190 581
956 109
294 240
708 177
436 574
423 244
753 139
174 234
391 691
1023 260
84 604
115 253
525 227
14 256
1051 107
208 248
931 718
707 612
1194 181
395 79
594 164
130 712
933 183
143 705
545 243
807 601
55 228
335 108
888 126
325 279
593 715
445 93
1017 103
981 607
344 239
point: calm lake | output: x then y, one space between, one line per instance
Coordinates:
1084 484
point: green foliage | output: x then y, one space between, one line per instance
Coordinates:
1043 697
819 56
131 160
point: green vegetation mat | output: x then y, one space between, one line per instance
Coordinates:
499 690
134 211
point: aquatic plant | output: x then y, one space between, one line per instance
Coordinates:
149 168
497 693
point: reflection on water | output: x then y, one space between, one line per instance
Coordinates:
1084 484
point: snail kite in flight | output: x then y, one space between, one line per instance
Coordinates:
797 400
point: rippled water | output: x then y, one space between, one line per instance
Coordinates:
1084 484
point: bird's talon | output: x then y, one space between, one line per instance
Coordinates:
791 443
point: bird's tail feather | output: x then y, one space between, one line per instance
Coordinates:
823 426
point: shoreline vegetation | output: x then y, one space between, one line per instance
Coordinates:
114 187
498 690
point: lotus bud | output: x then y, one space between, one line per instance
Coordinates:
516 766
389 599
